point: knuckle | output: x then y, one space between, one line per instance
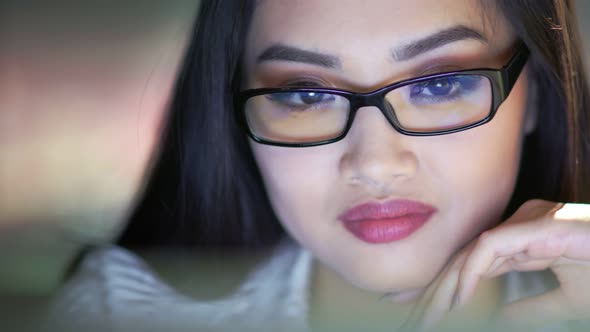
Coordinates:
485 238
486 242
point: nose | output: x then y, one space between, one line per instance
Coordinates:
378 157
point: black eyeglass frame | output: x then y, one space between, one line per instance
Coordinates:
502 81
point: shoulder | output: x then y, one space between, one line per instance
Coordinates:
113 286
107 282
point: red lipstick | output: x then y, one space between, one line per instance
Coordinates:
388 221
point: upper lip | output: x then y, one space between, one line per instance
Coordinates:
386 210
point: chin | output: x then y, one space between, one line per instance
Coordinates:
389 281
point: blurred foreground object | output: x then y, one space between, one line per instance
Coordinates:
83 92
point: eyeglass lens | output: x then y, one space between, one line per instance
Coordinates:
430 105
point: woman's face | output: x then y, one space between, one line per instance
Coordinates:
426 196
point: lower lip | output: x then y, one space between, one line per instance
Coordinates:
387 230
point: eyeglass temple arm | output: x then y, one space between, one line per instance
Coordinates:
515 66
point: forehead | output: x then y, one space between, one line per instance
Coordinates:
369 27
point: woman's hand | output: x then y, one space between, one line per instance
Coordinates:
432 312
538 236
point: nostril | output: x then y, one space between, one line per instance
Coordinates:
376 162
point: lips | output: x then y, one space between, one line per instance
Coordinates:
388 221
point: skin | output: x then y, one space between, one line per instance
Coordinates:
540 236
455 258
461 174
375 163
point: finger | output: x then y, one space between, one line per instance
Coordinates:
522 266
568 239
497 264
413 321
441 302
524 247
503 264
490 250
433 302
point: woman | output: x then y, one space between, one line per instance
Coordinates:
405 146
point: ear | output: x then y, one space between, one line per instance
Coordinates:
532 105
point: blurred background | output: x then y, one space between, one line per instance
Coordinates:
83 93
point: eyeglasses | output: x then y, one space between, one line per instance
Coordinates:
436 104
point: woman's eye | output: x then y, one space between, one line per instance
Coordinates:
301 100
437 87
444 89
312 97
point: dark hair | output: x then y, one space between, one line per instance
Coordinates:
555 163
206 190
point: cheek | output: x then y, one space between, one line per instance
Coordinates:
478 168
299 182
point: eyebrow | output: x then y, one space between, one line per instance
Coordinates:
281 52
436 40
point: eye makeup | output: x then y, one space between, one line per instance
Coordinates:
287 74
